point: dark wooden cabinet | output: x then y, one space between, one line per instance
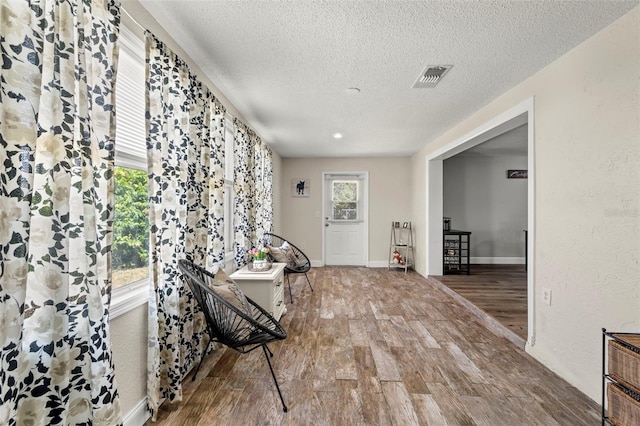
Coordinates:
621 378
456 252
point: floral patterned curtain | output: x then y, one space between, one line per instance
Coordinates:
215 223
267 200
243 187
204 228
263 190
186 167
57 128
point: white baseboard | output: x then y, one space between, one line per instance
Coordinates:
371 264
497 260
474 260
138 415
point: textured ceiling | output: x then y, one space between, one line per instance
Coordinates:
286 65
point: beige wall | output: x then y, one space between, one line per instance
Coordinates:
129 342
389 200
587 197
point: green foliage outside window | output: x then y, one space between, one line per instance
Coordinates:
131 222
344 191
345 200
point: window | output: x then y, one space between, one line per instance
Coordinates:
130 249
344 199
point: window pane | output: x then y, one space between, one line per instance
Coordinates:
345 211
130 100
131 227
345 191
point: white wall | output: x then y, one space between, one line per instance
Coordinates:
587 217
389 200
479 198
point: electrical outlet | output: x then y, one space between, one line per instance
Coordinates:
546 295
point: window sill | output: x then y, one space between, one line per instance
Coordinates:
129 297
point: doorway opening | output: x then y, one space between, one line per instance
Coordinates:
515 117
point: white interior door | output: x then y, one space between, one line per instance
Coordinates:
345 219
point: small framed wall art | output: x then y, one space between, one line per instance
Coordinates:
517 174
300 187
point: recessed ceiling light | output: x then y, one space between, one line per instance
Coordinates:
352 91
338 135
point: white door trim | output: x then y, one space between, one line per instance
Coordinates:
434 184
365 210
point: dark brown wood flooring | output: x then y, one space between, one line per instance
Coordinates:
378 347
500 291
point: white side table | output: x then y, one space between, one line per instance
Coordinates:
264 288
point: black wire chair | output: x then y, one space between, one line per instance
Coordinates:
227 324
303 264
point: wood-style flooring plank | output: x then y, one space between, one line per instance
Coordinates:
452 409
374 409
409 370
385 363
423 335
400 405
427 410
368 380
379 347
345 363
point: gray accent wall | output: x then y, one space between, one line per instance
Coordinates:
479 198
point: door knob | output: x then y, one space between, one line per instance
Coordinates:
326 224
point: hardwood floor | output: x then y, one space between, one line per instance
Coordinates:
379 347
500 291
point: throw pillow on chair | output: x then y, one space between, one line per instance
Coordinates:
284 254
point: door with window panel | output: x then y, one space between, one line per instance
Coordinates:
344 223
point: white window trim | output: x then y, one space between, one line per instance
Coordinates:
128 297
135 294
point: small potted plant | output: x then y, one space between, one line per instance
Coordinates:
259 259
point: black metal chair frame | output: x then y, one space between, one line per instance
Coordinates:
228 325
304 264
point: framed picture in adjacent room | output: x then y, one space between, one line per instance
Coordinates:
300 187
517 174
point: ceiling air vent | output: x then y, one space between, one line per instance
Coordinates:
431 76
